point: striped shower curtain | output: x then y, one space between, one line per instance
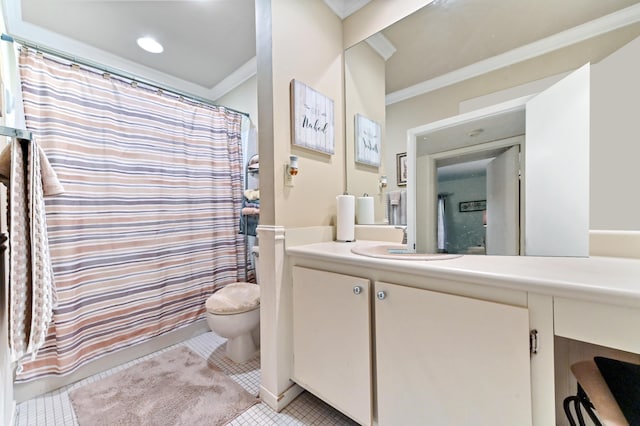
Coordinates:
148 225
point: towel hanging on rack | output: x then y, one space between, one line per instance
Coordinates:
31 289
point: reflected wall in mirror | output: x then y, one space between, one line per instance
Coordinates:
457 164
364 88
556 176
460 226
483 55
470 190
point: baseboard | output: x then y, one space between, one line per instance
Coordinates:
278 402
28 390
614 243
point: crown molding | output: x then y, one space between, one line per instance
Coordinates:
381 45
344 8
235 79
605 24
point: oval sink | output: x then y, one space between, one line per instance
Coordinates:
396 251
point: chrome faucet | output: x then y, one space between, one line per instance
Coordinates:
404 233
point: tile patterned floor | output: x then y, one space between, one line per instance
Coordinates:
55 409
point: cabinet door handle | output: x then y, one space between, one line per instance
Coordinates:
357 290
381 295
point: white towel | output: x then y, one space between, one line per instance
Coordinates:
31 278
396 211
50 184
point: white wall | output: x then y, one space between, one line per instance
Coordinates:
615 141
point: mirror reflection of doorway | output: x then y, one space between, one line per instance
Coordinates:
478 203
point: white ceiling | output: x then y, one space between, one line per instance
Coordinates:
210 44
204 41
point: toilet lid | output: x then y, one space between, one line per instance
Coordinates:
234 298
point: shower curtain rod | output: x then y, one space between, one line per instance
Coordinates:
113 71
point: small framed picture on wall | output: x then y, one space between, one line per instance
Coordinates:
401 168
368 141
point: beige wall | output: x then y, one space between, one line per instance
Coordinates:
375 16
306 45
243 98
364 94
445 102
304 40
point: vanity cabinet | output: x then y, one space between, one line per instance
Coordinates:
450 360
440 359
332 340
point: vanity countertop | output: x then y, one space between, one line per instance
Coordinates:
598 279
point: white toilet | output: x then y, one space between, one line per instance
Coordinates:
233 312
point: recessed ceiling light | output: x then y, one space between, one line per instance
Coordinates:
150 45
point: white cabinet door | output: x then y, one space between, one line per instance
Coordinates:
450 360
557 168
332 340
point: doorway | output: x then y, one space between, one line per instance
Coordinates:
478 202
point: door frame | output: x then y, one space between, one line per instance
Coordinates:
428 165
420 235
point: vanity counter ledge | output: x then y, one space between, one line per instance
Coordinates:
597 279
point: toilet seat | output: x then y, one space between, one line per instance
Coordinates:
234 299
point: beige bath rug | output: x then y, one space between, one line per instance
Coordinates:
177 387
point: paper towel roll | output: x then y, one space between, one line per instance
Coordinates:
345 224
364 211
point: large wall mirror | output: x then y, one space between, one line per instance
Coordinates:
450 58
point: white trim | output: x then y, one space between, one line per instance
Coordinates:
557 41
353 5
382 45
20 29
235 79
278 402
344 8
510 105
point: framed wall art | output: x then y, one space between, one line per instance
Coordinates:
472 206
312 121
401 168
368 141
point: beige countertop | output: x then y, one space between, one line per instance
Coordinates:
597 279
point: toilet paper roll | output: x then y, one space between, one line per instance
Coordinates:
345 224
364 211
